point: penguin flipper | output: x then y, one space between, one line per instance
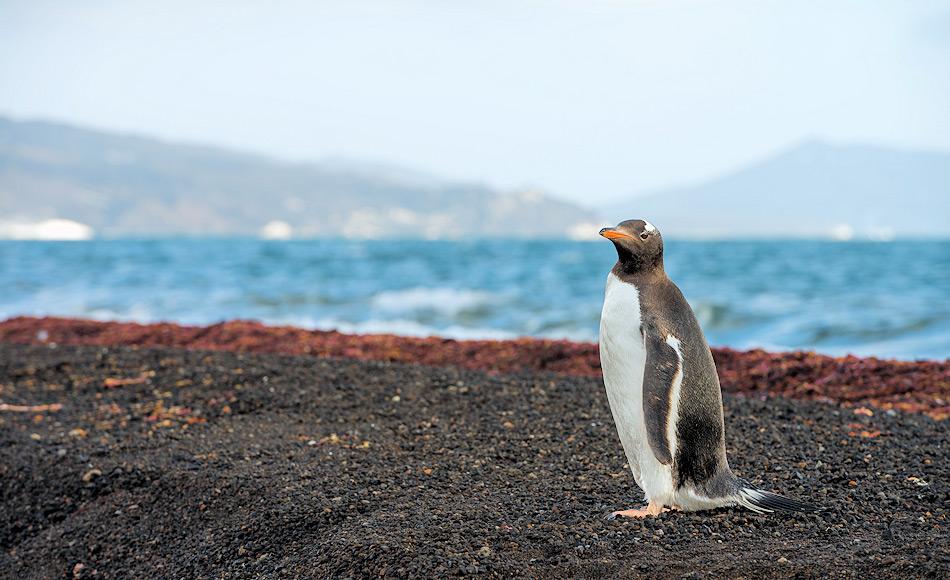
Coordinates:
662 372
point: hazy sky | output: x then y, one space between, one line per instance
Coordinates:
590 99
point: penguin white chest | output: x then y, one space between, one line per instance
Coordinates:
623 360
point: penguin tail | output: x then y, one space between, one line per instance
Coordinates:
766 502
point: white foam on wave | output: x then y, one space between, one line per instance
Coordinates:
448 301
133 313
76 301
401 327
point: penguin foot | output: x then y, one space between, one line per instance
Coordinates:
653 509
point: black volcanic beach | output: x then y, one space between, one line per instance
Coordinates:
164 462
319 290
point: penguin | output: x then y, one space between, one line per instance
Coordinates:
663 388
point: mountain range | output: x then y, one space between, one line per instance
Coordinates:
815 189
124 185
61 180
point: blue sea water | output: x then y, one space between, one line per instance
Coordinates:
886 299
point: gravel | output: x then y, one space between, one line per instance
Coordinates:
189 464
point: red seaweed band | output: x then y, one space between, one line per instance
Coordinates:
918 386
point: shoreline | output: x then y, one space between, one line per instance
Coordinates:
911 386
169 462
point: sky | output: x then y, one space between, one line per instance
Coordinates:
592 100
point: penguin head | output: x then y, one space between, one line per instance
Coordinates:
639 245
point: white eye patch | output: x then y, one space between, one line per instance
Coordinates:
648 227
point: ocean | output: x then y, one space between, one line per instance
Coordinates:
887 299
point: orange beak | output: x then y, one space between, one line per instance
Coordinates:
612 234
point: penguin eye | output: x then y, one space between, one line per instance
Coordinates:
644 235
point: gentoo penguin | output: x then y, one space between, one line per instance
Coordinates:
663 388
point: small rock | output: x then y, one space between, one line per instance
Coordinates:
91 474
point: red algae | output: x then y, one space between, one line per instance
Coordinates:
918 386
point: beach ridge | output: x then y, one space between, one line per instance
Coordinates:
912 386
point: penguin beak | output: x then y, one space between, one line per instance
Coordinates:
612 234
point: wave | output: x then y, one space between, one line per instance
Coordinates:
792 295
448 301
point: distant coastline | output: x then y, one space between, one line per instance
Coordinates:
119 185
65 230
